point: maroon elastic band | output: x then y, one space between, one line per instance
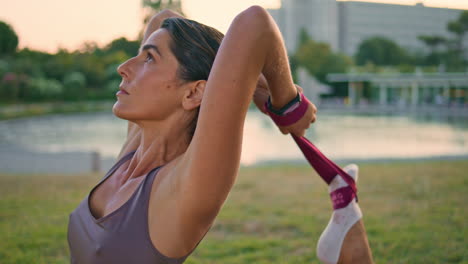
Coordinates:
292 117
326 168
342 197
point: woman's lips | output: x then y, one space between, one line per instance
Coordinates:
122 92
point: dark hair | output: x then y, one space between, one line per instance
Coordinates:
195 46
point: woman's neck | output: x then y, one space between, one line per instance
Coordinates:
160 143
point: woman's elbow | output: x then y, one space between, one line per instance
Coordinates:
255 18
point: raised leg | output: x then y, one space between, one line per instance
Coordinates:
344 240
356 247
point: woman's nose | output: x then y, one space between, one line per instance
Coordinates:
123 70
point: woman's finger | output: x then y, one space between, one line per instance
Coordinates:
283 130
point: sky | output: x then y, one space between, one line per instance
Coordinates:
48 25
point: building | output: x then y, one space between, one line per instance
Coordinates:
406 90
318 17
344 25
402 24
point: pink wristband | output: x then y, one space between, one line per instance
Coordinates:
290 117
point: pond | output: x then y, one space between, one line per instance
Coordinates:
339 136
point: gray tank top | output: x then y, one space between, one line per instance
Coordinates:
119 237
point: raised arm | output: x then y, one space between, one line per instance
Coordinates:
253 44
156 21
133 131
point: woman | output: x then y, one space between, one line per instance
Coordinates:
186 112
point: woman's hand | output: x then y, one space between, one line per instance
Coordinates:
156 21
261 95
299 128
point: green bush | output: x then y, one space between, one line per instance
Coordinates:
74 85
42 88
8 39
112 86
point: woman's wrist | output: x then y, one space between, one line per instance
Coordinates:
279 101
289 115
280 104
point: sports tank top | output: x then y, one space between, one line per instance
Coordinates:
119 237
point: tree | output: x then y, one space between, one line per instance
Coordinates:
158 5
312 55
380 51
318 58
122 44
8 39
433 43
459 28
334 63
303 38
456 51
453 55
74 83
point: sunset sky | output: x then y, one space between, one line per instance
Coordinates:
49 24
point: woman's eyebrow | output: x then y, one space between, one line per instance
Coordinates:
153 47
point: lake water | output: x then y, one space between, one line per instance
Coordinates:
339 136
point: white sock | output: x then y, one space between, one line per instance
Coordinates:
331 240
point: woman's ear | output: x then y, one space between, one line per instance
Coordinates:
193 94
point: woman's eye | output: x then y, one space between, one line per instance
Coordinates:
148 57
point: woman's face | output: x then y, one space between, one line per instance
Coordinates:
149 87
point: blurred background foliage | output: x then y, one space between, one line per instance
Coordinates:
89 73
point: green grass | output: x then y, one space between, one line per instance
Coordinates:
414 213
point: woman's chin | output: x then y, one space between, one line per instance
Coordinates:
119 111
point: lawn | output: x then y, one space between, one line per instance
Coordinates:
414 213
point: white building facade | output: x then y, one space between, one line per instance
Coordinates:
344 25
318 17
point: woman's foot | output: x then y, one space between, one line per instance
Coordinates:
331 240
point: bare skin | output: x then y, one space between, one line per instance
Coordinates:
197 175
355 247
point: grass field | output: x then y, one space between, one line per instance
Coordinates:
413 212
